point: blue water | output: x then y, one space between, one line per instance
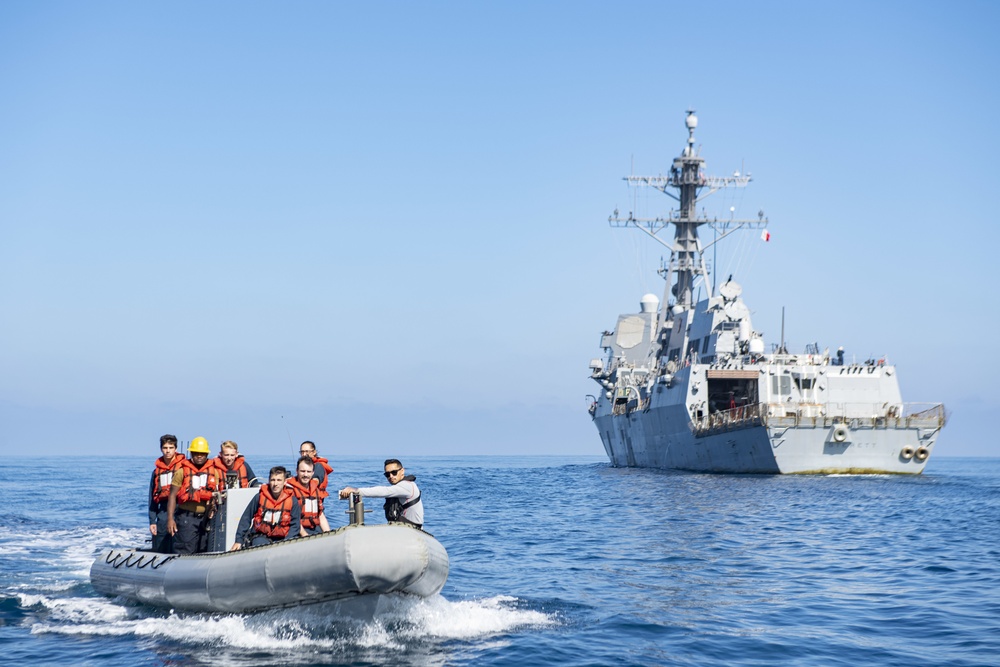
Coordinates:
555 561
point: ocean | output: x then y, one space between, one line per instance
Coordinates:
554 561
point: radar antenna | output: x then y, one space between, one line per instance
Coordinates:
687 260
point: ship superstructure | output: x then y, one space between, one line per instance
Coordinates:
688 385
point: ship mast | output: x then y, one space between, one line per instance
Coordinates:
687 259
685 175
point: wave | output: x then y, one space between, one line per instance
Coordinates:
370 627
46 591
393 616
56 559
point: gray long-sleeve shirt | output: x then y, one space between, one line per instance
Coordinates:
405 491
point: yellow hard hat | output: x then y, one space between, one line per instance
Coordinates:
198 446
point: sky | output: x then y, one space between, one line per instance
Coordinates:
383 226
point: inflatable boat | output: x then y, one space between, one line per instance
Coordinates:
355 560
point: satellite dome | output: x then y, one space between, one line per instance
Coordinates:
649 303
730 290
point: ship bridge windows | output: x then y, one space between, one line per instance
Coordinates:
707 358
804 384
781 385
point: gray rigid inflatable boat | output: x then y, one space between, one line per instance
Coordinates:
353 561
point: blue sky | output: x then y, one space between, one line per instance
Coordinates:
382 226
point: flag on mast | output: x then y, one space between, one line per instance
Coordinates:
765 235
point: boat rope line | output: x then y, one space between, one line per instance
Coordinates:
116 559
155 566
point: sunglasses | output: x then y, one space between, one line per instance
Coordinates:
390 473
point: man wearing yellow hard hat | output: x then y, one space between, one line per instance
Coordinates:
191 492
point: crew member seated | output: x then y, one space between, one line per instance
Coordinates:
307 491
273 514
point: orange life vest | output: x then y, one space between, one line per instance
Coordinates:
310 500
198 483
329 469
239 467
274 517
164 474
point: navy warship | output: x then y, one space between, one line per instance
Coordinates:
690 386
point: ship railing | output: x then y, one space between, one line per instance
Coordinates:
924 410
857 416
802 359
733 419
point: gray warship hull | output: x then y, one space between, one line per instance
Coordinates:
687 385
663 437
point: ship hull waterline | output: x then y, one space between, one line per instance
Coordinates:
662 438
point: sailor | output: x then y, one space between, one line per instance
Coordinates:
233 468
323 469
192 491
159 493
306 488
271 516
402 499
